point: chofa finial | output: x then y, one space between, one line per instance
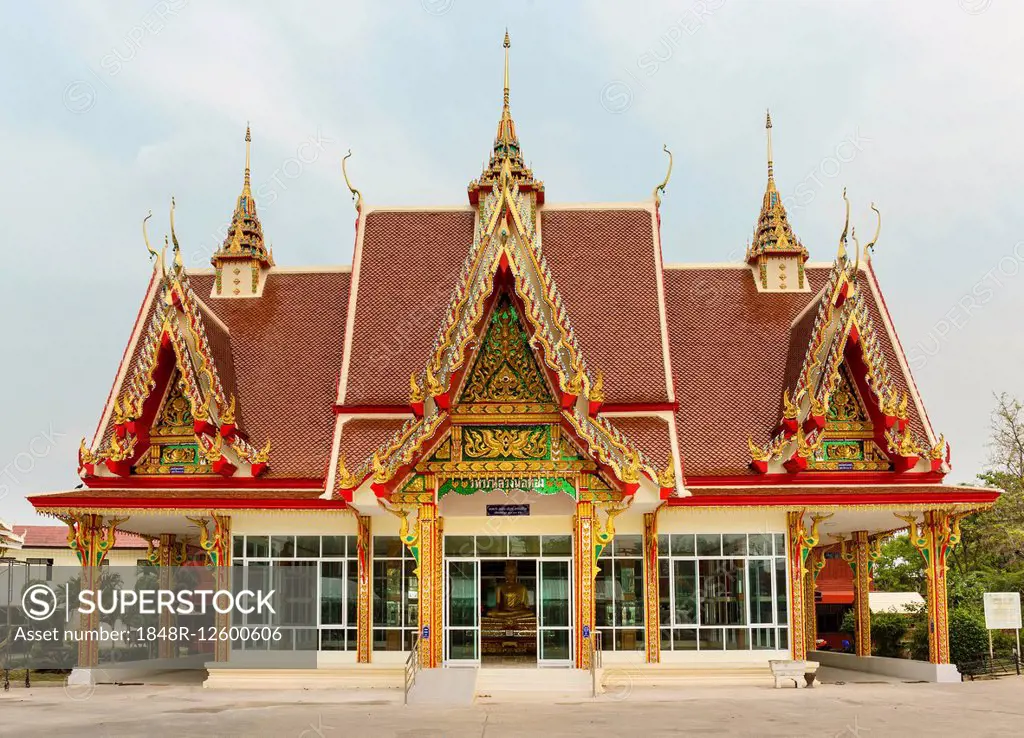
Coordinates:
357 196
664 183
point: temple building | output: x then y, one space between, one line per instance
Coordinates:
510 433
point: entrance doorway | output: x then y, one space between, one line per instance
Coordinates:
515 610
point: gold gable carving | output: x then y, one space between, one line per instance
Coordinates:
848 437
505 369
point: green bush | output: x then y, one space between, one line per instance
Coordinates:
968 638
888 630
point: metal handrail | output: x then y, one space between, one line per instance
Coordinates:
596 659
412 665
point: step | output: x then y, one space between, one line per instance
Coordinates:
362 676
554 682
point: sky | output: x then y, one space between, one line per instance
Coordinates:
112 108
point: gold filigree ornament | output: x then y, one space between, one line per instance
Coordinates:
346 479
667 476
415 390
227 414
756 452
263 455
597 389
213 451
491 443
120 450
789 409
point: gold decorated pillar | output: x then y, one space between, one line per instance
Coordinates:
934 538
861 588
815 563
652 612
216 544
364 602
585 572
429 563
91 539
801 543
168 554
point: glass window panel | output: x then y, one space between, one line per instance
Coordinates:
238 547
351 592
712 639
332 640
737 639
411 593
387 547
307 547
352 543
604 599
257 546
780 544
287 642
734 544
492 546
721 592
282 547
709 544
685 639
257 577
333 545
556 545
781 592
666 639
524 545
760 592
663 547
607 639
297 581
554 645
332 590
631 545
555 594
682 544
629 639
387 593
763 638
664 591
760 544
462 593
629 592
462 644
459 546
392 639
686 592
783 639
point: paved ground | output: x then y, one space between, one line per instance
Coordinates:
867 710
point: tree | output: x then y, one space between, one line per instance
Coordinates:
900 569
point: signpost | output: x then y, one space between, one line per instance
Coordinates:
1002 612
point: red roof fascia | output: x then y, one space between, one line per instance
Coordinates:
159 503
822 477
202 482
832 498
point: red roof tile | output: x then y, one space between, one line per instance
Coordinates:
651 436
732 352
287 348
56 536
603 262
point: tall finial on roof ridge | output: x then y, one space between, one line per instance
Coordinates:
248 142
507 44
768 128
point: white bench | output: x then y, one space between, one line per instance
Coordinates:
801 672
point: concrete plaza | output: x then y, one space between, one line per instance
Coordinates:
867 709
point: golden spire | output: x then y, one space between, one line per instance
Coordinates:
507 44
506 156
773 234
248 144
245 233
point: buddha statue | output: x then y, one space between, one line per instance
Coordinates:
510 627
513 600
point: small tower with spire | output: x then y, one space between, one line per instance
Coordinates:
776 255
243 261
506 155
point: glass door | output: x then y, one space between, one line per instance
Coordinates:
462 611
554 631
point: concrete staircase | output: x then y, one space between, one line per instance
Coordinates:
497 682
